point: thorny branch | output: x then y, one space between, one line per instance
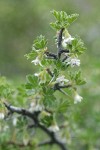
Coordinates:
59 42
49 72
51 55
34 116
60 49
58 87
60 38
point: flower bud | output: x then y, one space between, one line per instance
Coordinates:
77 98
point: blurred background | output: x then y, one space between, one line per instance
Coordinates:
22 21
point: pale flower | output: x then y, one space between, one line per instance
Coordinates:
2 115
73 62
61 80
37 74
26 140
77 98
14 121
53 128
38 107
35 107
37 61
32 106
67 41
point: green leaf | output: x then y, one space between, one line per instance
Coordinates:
78 46
38 47
32 81
56 72
55 26
72 18
49 97
63 20
39 43
6 89
32 55
28 86
62 105
47 120
77 77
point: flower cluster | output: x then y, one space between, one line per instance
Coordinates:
37 61
61 80
77 98
54 128
73 62
67 41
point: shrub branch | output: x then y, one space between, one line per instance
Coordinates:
34 117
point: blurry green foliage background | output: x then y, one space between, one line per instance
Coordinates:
22 21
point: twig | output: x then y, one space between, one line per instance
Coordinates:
51 55
63 51
66 57
49 72
60 38
65 86
58 87
32 126
60 42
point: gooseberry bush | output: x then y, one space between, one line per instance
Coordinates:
39 113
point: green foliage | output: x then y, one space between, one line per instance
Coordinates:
52 92
32 82
62 19
62 106
77 77
5 88
46 119
39 43
41 88
78 46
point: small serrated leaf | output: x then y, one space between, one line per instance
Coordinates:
63 20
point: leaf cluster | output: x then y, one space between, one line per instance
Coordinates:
38 47
77 78
78 46
63 20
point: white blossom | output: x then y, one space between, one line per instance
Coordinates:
35 107
37 74
14 121
73 62
38 107
32 106
2 115
77 98
53 128
25 140
67 41
61 80
37 61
